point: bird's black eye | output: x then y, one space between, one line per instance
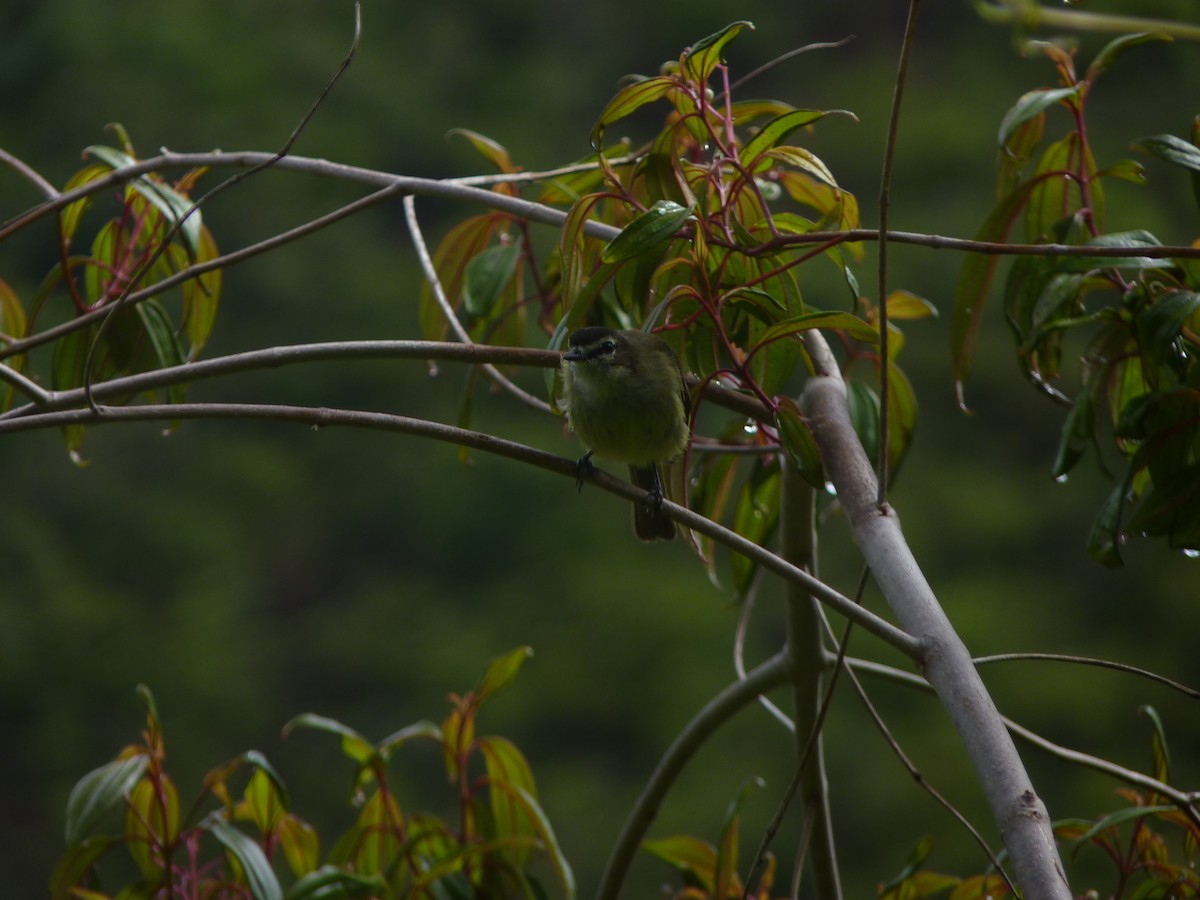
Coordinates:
608 348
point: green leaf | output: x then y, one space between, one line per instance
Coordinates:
461 244
489 149
486 275
1174 150
756 514
902 417
799 443
260 877
863 404
706 54
1030 105
1158 325
689 855
1120 817
1162 756
145 829
974 281
99 791
202 297
779 128
1114 48
331 883
72 213
354 745
1077 431
628 100
423 730
837 321
655 226
501 671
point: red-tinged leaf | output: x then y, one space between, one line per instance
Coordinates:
981 887
301 845
706 54
256 869
458 736
145 829
98 792
974 281
202 297
262 803
799 443
489 149
107 247
654 227
71 214
508 772
501 671
1031 105
835 321
689 855
1055 194
1114 48
798 158
376 835
746 111
628 100
463 242
178 210
770 135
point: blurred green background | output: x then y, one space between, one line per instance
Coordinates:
248 573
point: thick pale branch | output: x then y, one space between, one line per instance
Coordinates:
1016 808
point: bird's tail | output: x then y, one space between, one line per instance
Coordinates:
649 521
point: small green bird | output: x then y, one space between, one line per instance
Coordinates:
627 401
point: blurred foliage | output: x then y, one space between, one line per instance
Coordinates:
248 572
388 852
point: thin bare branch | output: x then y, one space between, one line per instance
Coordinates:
1089 661
431 275
28 173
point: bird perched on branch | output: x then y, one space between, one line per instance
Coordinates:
626 400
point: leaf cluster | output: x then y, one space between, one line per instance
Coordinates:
710 219
229 843
1152 845
1136 315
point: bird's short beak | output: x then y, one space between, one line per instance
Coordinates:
573 355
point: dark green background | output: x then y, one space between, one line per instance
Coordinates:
248 573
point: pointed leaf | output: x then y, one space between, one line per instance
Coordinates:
799 443
773 132
99 791
332 883
486 276
691 856
489 149
655 226
835 321
706 54
1114 48
1030 105
501 671
628 100
260 877
354 745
